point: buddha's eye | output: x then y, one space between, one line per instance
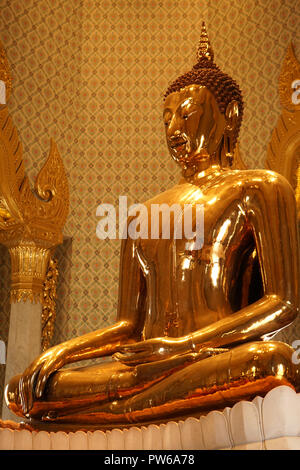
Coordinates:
185 116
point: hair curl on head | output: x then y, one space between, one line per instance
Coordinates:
206 73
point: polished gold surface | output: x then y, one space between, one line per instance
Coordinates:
283 155
192 325
31 222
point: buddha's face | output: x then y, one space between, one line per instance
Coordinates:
194 125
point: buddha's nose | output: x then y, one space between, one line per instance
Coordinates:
174 128
174 134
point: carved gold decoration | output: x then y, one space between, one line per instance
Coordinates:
49 305
283 154
290 72
29 265
31 221
204 49
5 74
284 147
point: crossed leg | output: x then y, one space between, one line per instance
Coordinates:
114 393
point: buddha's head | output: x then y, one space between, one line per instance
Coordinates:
202 112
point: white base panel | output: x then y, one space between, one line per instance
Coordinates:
269 423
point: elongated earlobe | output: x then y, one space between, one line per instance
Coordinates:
231 116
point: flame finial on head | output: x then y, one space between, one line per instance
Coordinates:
204 49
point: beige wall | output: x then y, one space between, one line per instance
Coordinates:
92 75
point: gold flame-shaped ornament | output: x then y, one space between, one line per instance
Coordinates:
31 220
289 82
283 154
204 50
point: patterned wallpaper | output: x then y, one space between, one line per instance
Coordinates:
92 74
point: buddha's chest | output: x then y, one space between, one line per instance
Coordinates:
196 226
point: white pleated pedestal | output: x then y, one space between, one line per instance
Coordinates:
269 423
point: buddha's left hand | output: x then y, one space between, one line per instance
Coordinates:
156 349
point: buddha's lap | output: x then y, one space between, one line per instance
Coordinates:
253 360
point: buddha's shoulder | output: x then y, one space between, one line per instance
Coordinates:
258 179
175 193
230 180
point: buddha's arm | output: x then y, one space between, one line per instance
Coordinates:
130 314
271 212
99 343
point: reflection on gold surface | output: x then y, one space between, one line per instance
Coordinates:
188 335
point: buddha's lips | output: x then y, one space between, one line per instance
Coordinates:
177 145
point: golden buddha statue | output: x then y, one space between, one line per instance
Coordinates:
194 325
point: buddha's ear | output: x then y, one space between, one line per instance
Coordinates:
232 115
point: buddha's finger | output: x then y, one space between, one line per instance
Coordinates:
132 359
25 393
25 389
31 391
28 394
48 368
22 395
124 357
208 352
42 380
118 356
213 351
134 348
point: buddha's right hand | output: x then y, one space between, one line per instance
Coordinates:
33 381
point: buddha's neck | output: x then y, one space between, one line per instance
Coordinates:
201 174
